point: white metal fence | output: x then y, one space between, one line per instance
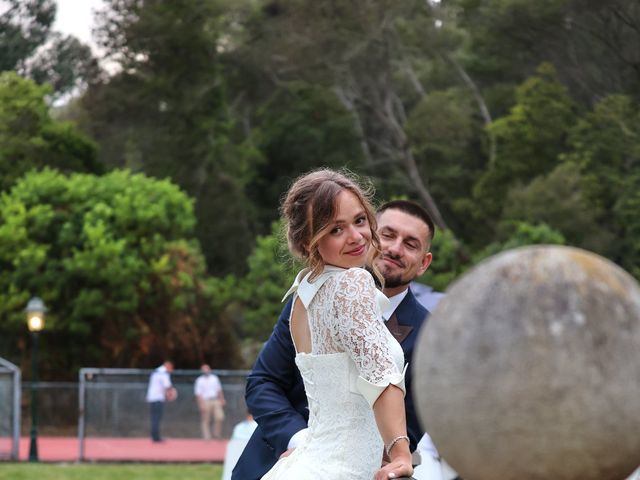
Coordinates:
9 410
111 404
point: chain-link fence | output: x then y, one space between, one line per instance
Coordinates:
9 410
112 404
57 408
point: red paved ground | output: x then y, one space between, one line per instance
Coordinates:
67 449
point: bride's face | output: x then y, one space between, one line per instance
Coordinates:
347 242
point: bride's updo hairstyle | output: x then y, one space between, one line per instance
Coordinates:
310 206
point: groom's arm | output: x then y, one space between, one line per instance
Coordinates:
272 386
414 430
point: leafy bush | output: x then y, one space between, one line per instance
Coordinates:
114 259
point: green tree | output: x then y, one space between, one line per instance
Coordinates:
357 52
30 138
66 64
166 114
625 212
523 234
271 271
558 200
590 43
115 260
30 47
444 135
299 128
447 262
529 140
605 145
24 26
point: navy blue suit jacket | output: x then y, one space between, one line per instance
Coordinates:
276 398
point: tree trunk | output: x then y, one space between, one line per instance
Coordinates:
482 105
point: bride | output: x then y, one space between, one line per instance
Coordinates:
351 366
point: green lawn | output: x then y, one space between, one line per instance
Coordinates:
109 471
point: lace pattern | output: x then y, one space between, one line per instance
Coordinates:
349 342
344 316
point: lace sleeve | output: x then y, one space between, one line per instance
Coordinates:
362 333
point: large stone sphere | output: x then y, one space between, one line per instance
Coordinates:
529 368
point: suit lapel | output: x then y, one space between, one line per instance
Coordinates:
399 332
409 315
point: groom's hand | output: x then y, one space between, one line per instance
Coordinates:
286 453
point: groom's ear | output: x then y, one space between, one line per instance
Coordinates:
426 261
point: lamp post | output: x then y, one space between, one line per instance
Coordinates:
35 321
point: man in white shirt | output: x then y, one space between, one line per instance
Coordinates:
210 398
159 390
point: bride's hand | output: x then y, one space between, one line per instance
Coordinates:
286 453
399 467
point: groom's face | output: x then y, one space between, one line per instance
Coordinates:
404 240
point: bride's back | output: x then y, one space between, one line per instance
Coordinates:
342 429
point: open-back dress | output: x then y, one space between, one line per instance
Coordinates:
353 359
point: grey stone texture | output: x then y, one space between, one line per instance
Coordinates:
529 368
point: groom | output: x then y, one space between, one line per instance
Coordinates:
275 392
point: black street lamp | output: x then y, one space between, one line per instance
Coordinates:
35 320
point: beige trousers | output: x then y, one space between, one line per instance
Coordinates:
209 409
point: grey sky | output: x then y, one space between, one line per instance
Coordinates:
75 17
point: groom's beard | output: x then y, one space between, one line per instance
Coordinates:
395 281
390 281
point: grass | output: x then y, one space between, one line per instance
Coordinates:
109 471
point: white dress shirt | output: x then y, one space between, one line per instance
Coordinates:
393 304
159 383
207 386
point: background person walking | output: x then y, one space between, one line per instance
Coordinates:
210 398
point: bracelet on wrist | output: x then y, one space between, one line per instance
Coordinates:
392 443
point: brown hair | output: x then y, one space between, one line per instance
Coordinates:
309 207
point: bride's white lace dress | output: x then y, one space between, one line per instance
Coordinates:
353 359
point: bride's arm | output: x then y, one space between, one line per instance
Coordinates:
392 425
381 382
